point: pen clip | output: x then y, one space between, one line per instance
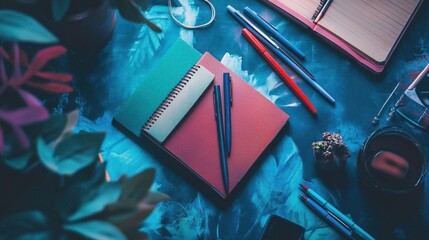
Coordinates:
214 104
230 89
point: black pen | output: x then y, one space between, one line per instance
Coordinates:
221 139
227 103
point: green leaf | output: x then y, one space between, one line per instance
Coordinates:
107 193
136 187
25 225
73 153
95 230
59 8
18 27
19 162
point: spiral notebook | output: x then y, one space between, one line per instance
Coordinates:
367 30
165 97
193 142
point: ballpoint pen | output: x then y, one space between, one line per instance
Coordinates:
339 215
274 31
221 139
227 103
323 213
277 50
277 67
286 57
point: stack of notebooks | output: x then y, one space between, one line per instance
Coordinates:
368 30
174 109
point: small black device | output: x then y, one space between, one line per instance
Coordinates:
279 228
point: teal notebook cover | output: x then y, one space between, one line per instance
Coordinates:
157 85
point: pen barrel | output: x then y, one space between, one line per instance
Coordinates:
328 218
227 91
280 71
221 137
343 218
274 32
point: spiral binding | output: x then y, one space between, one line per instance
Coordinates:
170 98
318 9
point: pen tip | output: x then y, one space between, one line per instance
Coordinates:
303 197
305 188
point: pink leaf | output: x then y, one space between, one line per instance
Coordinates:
40 60
59 77
51 87
28 98
24 116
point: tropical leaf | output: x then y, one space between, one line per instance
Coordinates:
148 42
39 61
59 8
106 194
95 230
73 153
26 225
135 188
18 27
132 13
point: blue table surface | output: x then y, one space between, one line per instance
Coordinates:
104 85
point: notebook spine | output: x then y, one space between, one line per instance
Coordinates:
318 9
170 98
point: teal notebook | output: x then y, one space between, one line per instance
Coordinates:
166 94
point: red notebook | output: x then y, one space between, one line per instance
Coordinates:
367 30
255 122
193 143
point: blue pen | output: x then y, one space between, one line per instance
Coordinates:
339 215
221 139
271 43
276 49
274 31
327 217
227 97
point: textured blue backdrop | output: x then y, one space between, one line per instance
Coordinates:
134 49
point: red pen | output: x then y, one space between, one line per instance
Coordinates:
277 67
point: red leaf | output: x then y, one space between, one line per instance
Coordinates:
15 61
59 77
40 60
23 58
51 87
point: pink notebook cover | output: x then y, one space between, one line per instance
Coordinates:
255 123
338 42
